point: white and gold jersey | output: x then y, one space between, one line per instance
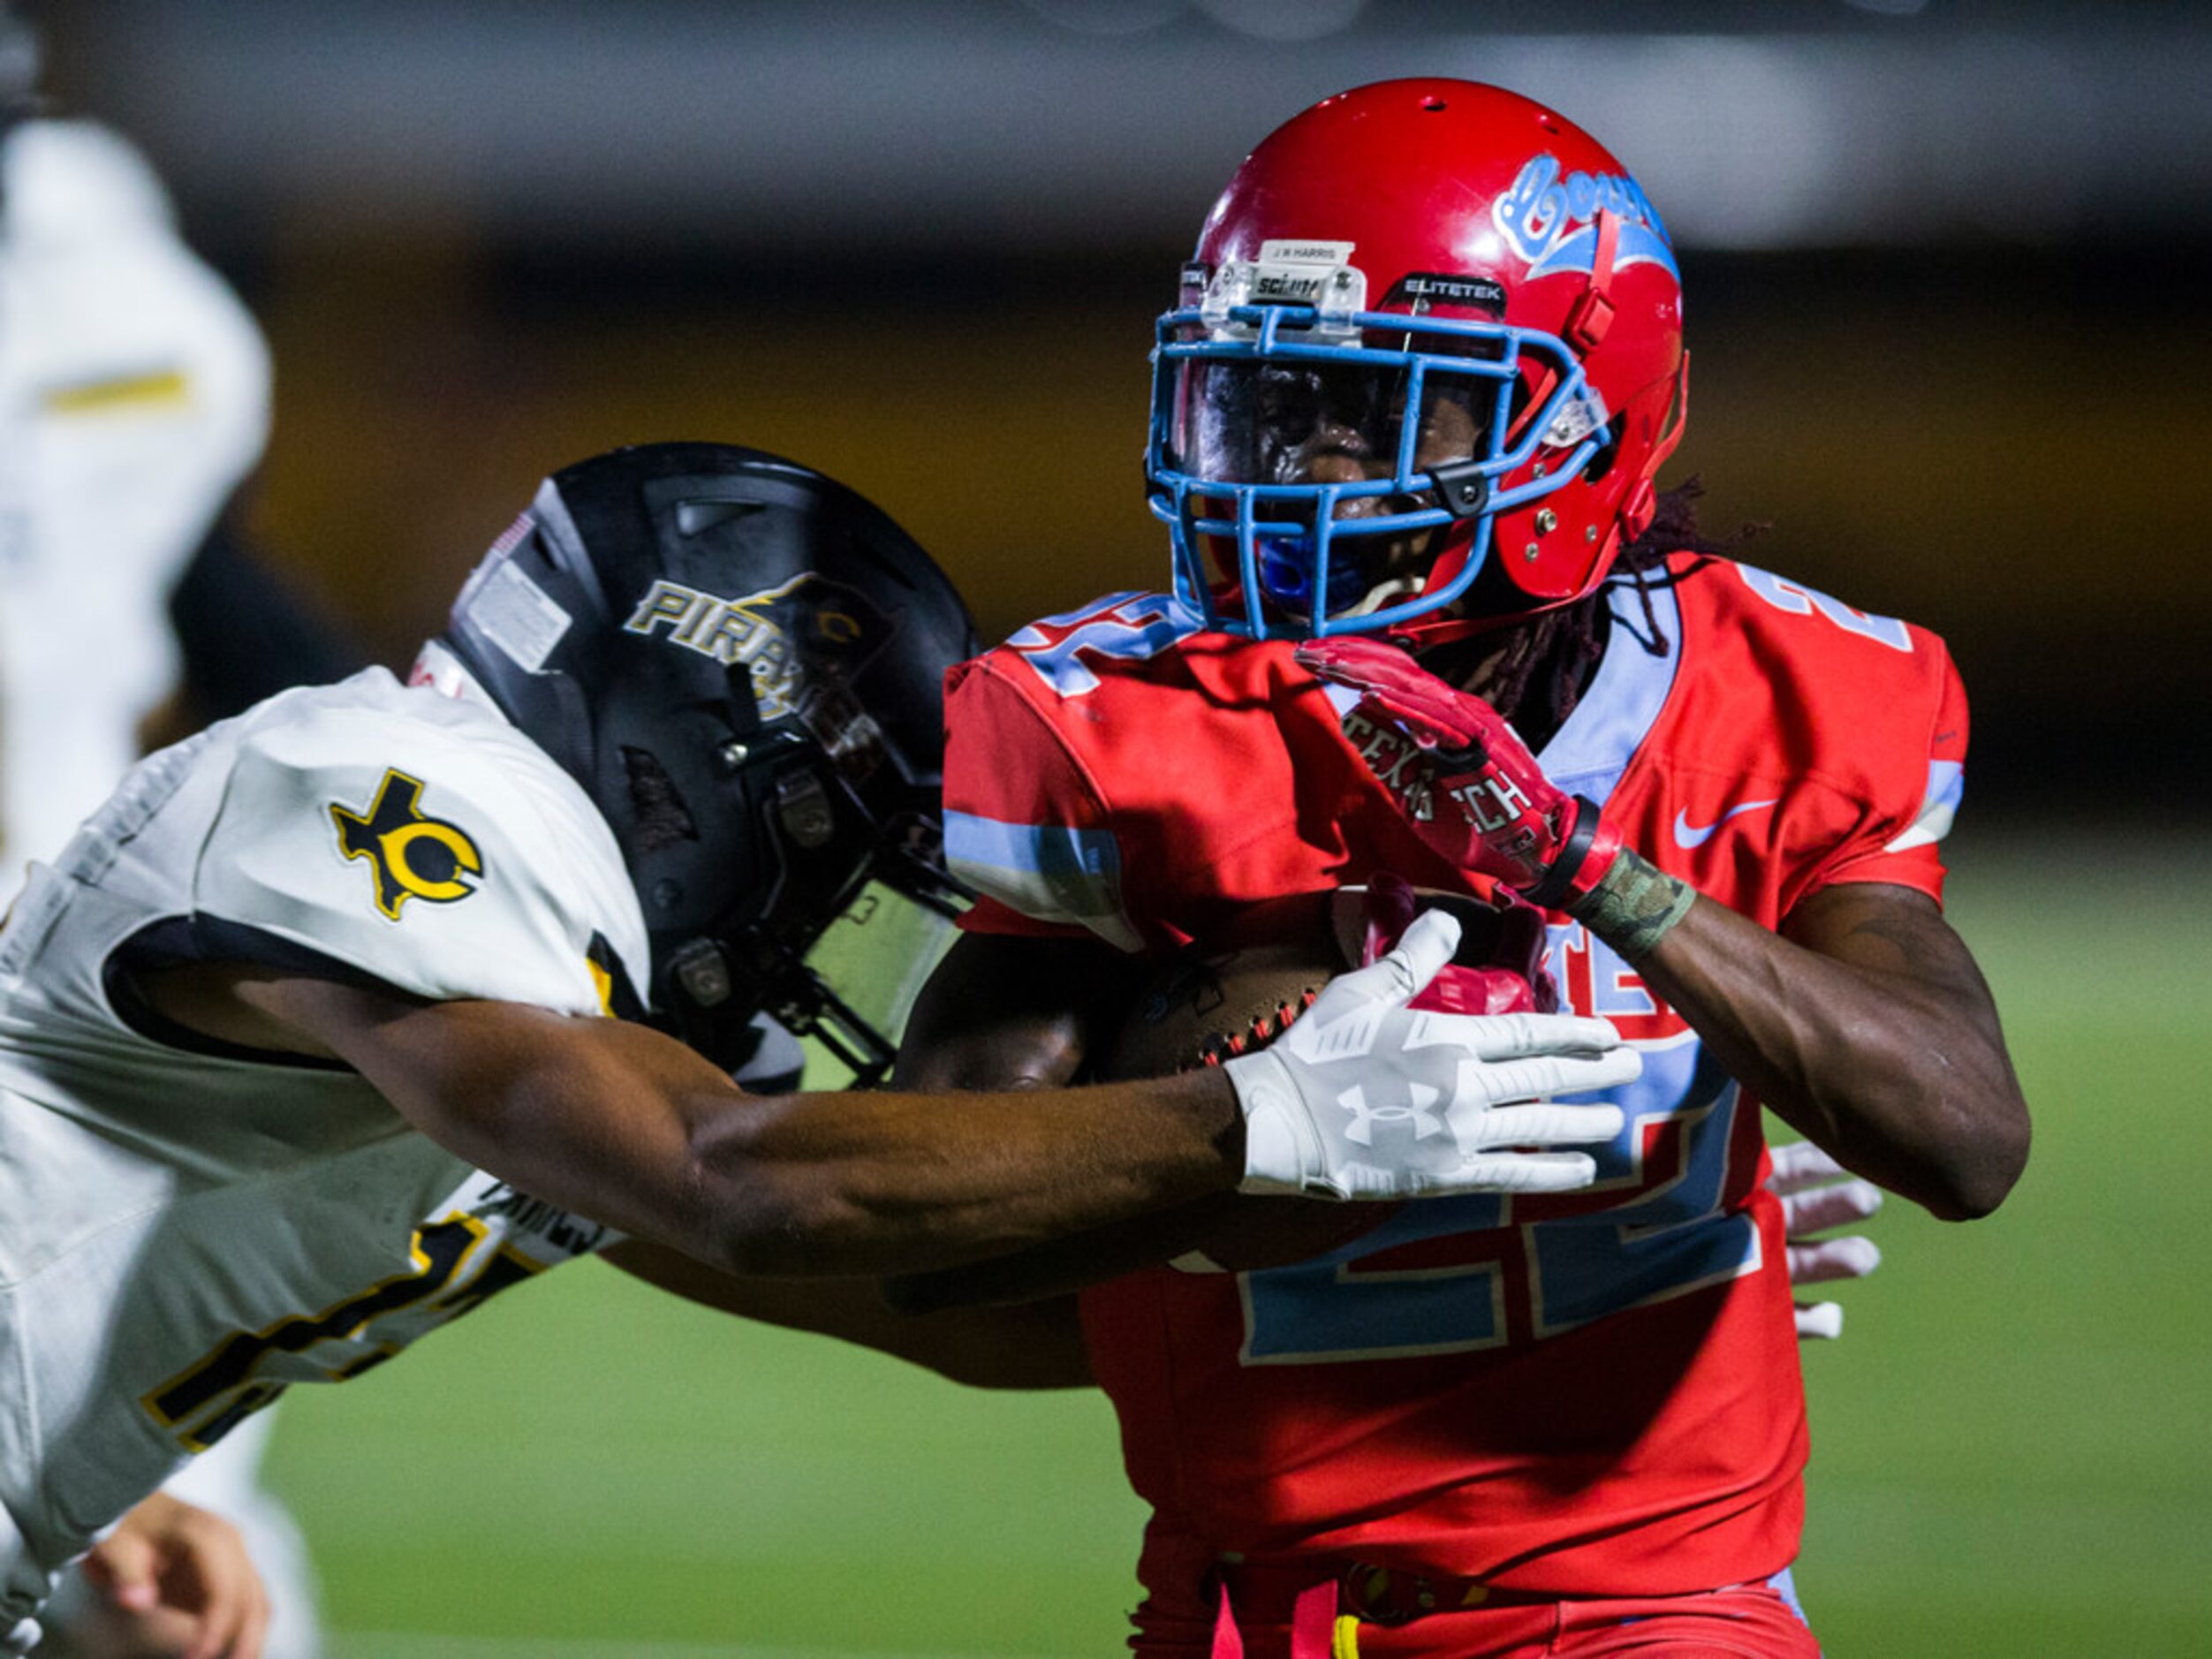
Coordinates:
186 1227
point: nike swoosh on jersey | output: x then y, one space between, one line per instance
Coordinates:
1689 835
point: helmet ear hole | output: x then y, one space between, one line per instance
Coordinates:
1610 452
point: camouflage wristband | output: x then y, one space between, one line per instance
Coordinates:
1633 905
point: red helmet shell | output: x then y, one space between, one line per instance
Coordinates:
1465 201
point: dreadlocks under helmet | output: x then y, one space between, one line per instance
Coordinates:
1548 657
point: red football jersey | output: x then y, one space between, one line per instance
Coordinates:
1594 1394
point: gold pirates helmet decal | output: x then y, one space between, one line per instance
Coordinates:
412 855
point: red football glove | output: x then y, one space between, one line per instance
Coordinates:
1482 802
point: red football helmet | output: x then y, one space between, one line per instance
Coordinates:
1429 324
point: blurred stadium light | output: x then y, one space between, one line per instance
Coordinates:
1063 123
1946 262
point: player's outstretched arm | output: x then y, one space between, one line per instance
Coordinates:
628 1126
1864 1024
1004 1012
1038 1345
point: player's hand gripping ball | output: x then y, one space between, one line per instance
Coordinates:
1245 984
1370 1095
1251 981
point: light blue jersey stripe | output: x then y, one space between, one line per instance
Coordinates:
1783 1584
1946 787
1595 743
1050 872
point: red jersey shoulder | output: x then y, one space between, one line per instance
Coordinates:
1119 770
1123 659
1852 724
1087 746
1120 707
1844 686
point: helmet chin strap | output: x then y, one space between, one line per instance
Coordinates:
1592 317
1421 632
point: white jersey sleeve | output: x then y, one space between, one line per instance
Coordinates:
187 1228
422 844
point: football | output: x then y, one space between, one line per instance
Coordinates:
1227 997
1241 991
1232 994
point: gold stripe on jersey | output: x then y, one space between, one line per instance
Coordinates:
155 387
437 1251
619 998
508 1266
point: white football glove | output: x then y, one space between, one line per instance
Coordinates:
1364 1097
1817 1193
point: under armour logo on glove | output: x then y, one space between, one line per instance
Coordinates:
1363 1116
1353 1100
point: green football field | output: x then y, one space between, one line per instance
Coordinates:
2011 1449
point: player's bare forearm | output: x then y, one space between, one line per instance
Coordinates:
1036 1345
1062 1266
886 1183
631 1128
1012 1013
1868 1028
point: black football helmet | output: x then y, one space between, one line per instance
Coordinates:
742 662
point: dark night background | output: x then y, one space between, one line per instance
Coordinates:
1942 267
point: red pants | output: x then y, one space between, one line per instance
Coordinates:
1744 1621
